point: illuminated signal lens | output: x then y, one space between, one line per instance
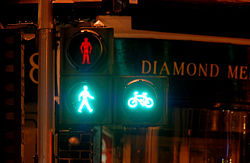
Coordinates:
143 101
140 94
140 99
84 97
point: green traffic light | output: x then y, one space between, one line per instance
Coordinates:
83 97
142 100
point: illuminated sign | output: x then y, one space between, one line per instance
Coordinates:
140 95
142 99
83 97
85 100
86 63
85 50
192 69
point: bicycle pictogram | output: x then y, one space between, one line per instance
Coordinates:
142 99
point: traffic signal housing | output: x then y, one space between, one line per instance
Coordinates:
85 76
140 101
85 100
86 50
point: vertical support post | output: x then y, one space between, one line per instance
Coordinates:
45 78
97 149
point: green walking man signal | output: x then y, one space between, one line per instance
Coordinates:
84 95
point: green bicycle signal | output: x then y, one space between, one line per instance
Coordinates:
140 99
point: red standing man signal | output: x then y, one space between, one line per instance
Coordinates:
86 50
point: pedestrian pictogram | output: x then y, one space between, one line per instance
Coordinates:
84 96
142 99
86 50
